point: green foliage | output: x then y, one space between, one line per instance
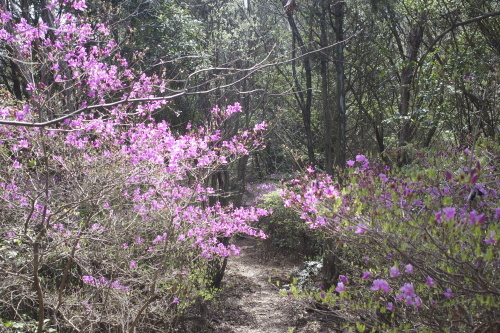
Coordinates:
430 231
27 326
286 230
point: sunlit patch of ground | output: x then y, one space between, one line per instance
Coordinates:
251 302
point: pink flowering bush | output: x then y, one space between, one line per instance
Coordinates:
285 230
105 217
416 249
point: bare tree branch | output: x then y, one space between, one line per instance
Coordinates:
178 93
453 27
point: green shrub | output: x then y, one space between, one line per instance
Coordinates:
418 247
286 230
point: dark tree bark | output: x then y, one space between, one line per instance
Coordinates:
407 73
327 112
220 183
338 12
303 101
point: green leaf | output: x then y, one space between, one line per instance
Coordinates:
489 254
360 327
447 201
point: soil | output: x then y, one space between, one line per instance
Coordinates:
251 302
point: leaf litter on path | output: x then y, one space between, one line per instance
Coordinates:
250 301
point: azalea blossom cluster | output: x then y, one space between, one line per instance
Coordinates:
92 183
415 231
103 283
78 59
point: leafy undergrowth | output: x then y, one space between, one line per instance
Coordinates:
412 249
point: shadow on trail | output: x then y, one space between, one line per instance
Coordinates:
251 302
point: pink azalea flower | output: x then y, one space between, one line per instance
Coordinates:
439 216
408 290
88 279
409 269
476 218
383 177
79 5
233 109
417 302
340 287
5 17
360 229
449 213
381 284
394 271
429 281
361 159
366 275
491 240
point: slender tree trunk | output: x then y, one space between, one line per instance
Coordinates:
305 103
407 73
327 112
36 280
16 83
220 183
338 12
243 161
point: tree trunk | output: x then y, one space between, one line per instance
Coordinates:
327 112
338 12
410 59
304 103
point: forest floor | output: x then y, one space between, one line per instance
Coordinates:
250 301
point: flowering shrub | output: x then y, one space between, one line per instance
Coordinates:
104 211
256 192
284 229
418 248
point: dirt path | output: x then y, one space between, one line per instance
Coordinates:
251 302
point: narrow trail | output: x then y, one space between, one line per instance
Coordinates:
251 302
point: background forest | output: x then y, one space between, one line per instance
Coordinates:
138 137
